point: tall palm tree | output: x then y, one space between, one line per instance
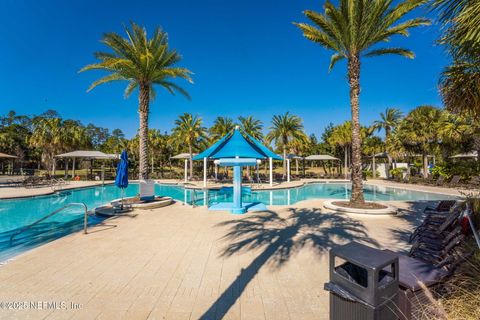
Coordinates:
284 129
143 62
221 126
189 130
354 29
251 126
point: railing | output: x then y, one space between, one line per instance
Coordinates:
85 219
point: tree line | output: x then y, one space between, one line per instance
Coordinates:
424 131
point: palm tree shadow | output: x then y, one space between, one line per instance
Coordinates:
281 237
413 215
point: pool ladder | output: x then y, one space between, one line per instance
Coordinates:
85 219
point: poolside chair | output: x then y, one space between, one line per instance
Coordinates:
415 275
437 251
440 181
434 227
442 206
455 181
474 182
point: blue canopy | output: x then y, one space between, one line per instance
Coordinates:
121 180
235 144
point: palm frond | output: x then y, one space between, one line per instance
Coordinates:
399 51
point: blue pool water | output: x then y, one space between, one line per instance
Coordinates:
18 213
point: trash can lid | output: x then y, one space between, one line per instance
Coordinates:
363 255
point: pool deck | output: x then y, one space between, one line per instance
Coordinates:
19 192
180 262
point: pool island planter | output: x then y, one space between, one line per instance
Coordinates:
136 203
329 204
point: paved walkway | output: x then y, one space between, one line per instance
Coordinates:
180 262
18 192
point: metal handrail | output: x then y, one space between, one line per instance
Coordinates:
85 219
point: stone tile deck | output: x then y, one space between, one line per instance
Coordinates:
180 262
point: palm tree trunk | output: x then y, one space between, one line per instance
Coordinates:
143 110
284 161
191 160
354 81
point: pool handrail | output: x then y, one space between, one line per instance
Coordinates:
85 219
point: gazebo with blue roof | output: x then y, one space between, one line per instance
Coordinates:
236 149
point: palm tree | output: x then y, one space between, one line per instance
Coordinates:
189 130
420 132
284 129
388 122
352 30
461 17
460 82
341 136
221 126
144 63
53 136
251 126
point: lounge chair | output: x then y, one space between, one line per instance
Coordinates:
455 181
434 226
442 206
425 251
440 181
415 275
474 182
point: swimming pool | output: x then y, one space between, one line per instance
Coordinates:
18 213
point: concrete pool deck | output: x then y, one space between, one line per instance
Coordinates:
20 192
180 262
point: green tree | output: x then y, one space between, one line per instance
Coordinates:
341 136
221 126
189 130
285 128
251 126
389 120
354 29
54 135
420 131
143 62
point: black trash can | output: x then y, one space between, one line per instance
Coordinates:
363 283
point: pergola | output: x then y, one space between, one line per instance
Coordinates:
185 156
7 156
236 149
83 155
237 145
324 157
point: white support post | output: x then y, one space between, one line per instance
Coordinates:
216 172
270 161
186 171
204 172
73 168
288 170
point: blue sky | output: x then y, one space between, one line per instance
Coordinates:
247 57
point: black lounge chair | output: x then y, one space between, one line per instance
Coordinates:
436 244
415 275
433 228
455 181
437 256
442 206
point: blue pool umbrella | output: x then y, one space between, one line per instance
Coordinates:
121 180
